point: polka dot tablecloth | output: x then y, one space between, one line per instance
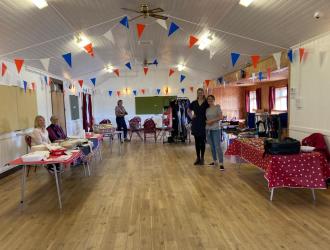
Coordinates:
304 170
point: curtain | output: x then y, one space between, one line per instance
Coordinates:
247 101
84 112
258 97
271 99
90 113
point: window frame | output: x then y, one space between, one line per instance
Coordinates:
281 97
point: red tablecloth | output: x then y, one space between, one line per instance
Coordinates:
90 136
304 170
51 160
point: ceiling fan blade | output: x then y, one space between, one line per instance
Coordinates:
156 10
135 17
159 16
130 10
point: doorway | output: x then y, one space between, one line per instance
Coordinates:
57 95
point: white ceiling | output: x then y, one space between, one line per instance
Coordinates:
280 22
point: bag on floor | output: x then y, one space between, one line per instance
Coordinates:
287 146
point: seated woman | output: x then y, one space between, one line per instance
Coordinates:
40 133
55 131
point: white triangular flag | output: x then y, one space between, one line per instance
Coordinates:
162 23
253 76
277 57
323 55
109 36
213 51
45 62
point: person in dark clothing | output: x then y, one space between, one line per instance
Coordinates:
55 131
120 118
197 112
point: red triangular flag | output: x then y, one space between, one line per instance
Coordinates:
19 63
192 89
142 90
4 69
207 82
171 72
33 86
255 60
116 71
301 53
81 82
89 49
118 93
192 41
269 71
140 28
145 69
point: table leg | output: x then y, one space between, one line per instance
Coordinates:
88 169
23 183
111 142
57 186
271 194
313 193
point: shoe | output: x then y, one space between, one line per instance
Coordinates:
127 140
211 164
222 168
197 161
201 162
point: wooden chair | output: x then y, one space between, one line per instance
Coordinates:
149 127
28 141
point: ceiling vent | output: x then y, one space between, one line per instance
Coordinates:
145 42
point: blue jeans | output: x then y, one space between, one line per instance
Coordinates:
214 139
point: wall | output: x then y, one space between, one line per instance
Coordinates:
310 88
104 105
265 91
13 144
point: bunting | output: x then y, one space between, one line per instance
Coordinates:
290 55
191 88
68 59
116 71
269 72
140 28
110 92
182 77
128 65
173 28
93 80
155 62
118 93
192 41
260 75
135 92
234 58
143 91
162 23
255 60
19 64
182 90
277 58
89 49
301 53
158 91
207 83
124 22
145 69
33 86
108 35
81 82
45 63
3 69
166 90
171 72
46 80
25 85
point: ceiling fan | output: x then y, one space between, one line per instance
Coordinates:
146 12
145 62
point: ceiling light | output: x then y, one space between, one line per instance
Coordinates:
245 3
181 67
81 41
40 3
205 40
109 68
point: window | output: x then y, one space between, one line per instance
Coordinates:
253 101
281 99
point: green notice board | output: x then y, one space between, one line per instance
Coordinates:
151 104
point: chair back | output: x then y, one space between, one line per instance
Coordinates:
105 121
317 140
149 126
28 141
135 123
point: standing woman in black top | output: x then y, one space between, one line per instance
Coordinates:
197 112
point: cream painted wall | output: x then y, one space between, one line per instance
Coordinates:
13 144
310 89
104 105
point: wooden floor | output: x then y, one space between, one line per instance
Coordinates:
152 197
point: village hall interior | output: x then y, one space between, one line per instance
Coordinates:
165 124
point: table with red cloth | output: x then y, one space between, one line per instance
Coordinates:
303 170
52 160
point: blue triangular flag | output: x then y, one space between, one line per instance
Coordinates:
128 65
220 80
155 62
93 80
260 76
182 90
46 80
124 22
173 28
134 92
25 85
158 91
234 58
110 92
182 77
290 55
68 59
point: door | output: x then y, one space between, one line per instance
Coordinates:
58 108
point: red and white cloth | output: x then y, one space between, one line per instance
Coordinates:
304 170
